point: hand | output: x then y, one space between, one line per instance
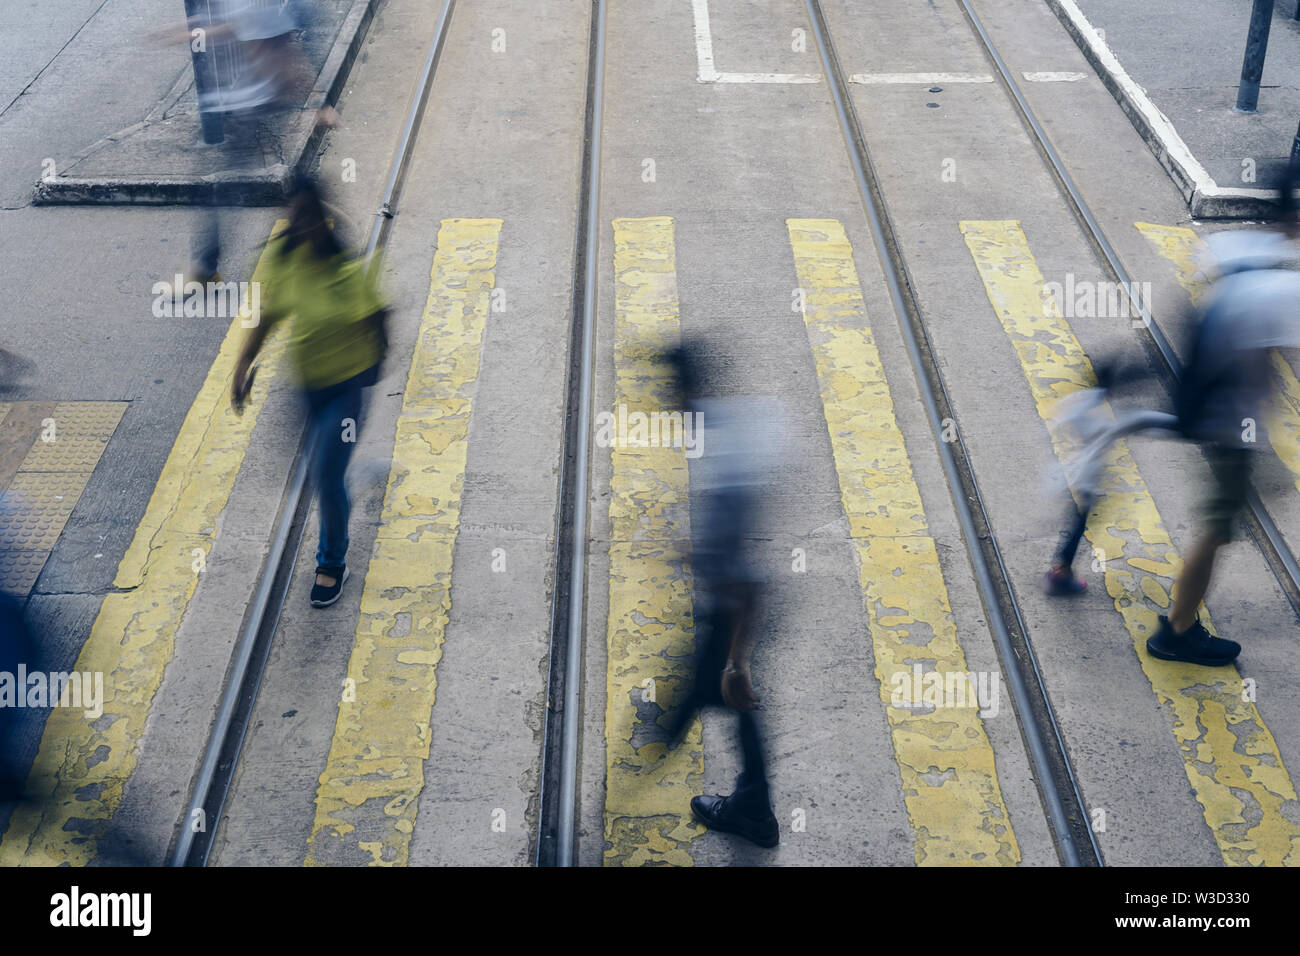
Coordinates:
737 691
237 385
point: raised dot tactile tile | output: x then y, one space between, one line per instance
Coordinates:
65 454
45 490
21 569
87 419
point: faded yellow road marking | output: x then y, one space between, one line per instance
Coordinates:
368 796
1184 248
1229 754
82 767
650 629
950 782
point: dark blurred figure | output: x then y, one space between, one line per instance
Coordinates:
14 368
724 492
1252 306
337 341
16 647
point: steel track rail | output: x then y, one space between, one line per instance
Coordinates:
1266 533
1053 772
557 817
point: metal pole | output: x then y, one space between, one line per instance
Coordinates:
1252 64
205 79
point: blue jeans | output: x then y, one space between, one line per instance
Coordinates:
334 423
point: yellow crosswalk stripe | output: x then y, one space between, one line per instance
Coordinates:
650 631
1229 754
368 796
949 776
82 766
1185 249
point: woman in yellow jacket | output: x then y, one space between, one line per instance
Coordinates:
336 344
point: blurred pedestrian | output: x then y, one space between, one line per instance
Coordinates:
257 70
337 341
16 648
1250 308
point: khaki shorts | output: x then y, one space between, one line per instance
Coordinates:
1227 498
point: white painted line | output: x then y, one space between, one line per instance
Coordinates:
767 78
1172 144
704 42
1065 77
709 72
923 79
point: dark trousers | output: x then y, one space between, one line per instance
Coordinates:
240 152
726 592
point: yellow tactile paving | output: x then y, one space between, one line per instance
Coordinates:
1185 249
73 438
948 769
650 631
37 507
48 483
368 796
82 766
1229 754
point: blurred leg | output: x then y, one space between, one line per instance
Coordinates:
207 244
751 796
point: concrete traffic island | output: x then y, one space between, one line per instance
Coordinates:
1176 74
163 159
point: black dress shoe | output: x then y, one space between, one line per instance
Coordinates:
718 813
1194 646
322 596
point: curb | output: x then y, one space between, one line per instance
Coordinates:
1205 198
264 187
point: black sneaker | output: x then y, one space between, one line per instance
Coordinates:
1193 646
717 813
322 596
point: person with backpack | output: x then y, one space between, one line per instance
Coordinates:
337 341
1251 308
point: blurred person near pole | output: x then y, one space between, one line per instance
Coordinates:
255 69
